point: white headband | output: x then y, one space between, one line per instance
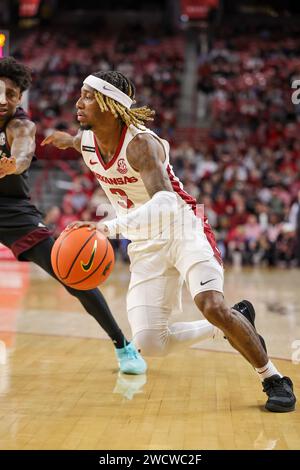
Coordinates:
108 89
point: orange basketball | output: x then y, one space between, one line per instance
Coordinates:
82 258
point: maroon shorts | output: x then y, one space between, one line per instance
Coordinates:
21 226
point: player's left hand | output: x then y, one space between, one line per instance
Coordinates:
8 166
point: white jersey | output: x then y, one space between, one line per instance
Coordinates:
123 185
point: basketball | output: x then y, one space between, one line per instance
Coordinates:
82 259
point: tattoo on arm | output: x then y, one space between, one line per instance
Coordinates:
21 137
146 155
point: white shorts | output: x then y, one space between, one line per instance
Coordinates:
159 268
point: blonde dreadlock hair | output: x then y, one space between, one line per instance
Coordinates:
135 116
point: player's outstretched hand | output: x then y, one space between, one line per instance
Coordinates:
8 166
90 225
79 224
61 140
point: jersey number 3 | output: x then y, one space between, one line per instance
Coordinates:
125 202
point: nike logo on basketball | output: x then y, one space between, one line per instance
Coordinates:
93 163
203 283
86 267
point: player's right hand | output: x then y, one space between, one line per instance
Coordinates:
61 140
90 226
79 224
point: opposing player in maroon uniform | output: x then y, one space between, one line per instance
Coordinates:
169 241
21 225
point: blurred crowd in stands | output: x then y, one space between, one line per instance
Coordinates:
61 61
249 173
246 171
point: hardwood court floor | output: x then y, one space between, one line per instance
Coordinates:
60 387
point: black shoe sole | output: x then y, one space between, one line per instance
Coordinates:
252 320
279 409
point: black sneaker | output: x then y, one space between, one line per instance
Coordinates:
280 392
247 310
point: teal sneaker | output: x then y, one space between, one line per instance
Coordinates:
130 361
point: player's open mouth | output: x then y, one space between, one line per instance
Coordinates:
3 112
80 117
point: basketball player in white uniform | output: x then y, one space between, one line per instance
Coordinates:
169 241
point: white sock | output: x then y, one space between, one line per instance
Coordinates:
190 332
267 371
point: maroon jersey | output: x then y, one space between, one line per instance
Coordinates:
12 186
